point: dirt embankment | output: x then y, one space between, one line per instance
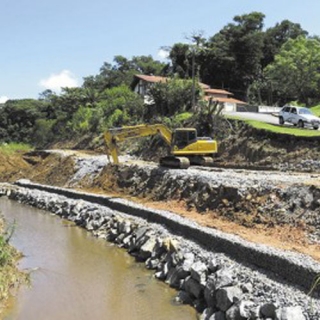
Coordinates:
265 208
275 216
248 148
251 148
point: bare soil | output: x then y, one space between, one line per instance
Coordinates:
246 149
252 148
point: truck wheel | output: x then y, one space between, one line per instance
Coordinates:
281 120
315 128
300 124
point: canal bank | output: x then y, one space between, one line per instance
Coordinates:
76 276
210 281
10 276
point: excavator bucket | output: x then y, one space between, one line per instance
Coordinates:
111 147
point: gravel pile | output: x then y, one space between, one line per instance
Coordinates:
303 166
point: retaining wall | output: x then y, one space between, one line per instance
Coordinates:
214 284
296 268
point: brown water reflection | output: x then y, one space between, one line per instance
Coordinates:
80 277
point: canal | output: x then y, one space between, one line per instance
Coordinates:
76 276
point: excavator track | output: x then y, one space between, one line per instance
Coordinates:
201 161
175 162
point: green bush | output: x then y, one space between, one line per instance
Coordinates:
9 148
81 119
43 133
316 110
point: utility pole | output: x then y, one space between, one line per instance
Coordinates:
196 38
193 80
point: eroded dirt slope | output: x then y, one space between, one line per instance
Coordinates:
265 207
12 165
249 147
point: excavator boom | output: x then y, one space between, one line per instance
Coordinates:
115 135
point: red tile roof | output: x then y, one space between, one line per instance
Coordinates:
218 91
155 79
227 100
151 78
204 86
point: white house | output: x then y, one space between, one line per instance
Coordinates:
141 84
223 96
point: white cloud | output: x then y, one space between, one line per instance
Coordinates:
163 54
61 80
3 99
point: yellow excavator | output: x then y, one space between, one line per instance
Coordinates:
185 147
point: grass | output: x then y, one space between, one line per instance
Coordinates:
316 283
291 130
10 276
316 110
10 148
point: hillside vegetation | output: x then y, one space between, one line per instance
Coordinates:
243 58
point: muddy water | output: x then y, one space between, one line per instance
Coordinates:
76 276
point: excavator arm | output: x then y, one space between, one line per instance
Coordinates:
113 136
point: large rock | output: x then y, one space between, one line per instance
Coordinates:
188 262
268 310
209 291
175 275
164 269
176 258
223 278
140 232
227 296
214 265
292 313
125 227
147 248
233 313
184 297
152 263
246 308
218 316
171 245
241 311
206 314
199 272
159 249
193 287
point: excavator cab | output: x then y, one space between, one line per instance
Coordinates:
183 137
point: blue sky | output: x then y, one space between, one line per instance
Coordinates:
46 44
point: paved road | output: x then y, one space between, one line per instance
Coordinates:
264 117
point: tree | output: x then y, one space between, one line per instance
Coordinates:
172 97
81 120
18 118
120 106
261 91
121 72
179 59
233 58
276 36
295 72
46 95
